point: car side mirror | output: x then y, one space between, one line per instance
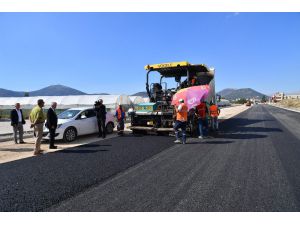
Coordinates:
83 117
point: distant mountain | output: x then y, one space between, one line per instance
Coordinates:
226 91
232 94
99 94
9 93
142 94
56 90
53 90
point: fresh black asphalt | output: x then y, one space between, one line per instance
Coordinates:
253 164
36 183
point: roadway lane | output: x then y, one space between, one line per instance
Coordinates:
36 183
252 165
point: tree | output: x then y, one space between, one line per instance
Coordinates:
264 99
26 94
241 101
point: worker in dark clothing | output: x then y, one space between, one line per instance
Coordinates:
120 115
17 122
51 124
101 117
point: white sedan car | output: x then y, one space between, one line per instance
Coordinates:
78 121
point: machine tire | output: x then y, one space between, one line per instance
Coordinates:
70 134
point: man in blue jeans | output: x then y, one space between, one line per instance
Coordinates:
181 121
201 113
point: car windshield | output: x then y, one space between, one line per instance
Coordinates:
68 114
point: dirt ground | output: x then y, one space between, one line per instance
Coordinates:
229 112
9 151
293 104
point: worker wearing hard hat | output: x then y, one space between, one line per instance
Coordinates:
214 113
181 121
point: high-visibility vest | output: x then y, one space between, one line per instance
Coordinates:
120 114
183 114
214 111
193 81
201 110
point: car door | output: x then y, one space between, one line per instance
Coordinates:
85 122
92 121
81 124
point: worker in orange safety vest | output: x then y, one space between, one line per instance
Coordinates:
214 113
201 114
181 121
194 81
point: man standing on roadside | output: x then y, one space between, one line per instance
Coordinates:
181 121
120 115
101 117
52 124
17 122
201 113
37 119
214 114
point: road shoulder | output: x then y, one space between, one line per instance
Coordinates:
289 109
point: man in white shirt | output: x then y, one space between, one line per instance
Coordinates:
17 122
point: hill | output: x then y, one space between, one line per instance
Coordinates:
232 94
56 90
53 90
226 91
99 94
9 93
142 94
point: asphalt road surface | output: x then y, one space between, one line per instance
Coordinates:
253 164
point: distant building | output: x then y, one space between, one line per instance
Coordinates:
255 100
278 97
292 96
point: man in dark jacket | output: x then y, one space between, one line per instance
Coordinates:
17 122
101 117
52 124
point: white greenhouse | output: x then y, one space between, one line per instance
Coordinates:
136 100
64 102
146 99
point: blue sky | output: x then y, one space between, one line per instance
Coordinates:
107 52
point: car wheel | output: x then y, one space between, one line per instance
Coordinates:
70 134
109 128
